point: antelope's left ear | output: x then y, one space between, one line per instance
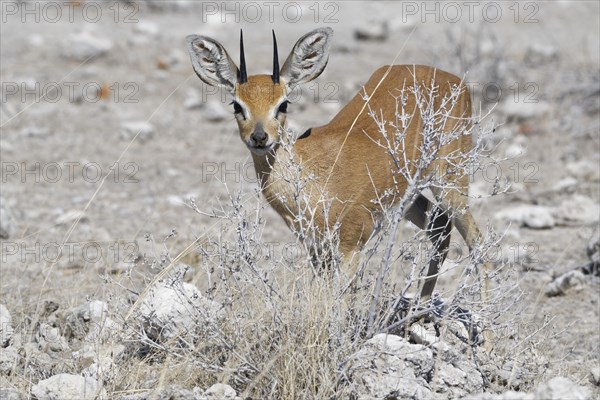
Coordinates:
308 57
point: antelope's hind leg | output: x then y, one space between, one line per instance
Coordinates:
438 227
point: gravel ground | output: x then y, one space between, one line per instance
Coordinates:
107 134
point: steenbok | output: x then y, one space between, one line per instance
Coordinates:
352 171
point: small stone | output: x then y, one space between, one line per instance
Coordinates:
515 150
538 53
220 391
70 217
7 226
377 31
34 131
595 375
8 359
86 45
36 40
566 184
145 27
193 99
142 129
593 247
215 112
6 328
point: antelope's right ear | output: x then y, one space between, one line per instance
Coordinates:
308 57
212 63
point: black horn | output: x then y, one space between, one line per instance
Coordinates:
243 77
275 75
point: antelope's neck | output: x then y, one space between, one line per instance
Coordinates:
263 165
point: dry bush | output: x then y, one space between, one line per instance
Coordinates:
294 316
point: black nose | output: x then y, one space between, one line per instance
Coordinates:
259 137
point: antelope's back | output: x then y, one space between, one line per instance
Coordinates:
353 143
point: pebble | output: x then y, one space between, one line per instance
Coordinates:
69 217
143 129
6 327
375 31
220 391
215 112
539 53
7 226
86 45
531 216
145 27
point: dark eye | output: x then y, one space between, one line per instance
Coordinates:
237 109
283 107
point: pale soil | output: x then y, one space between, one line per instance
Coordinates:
176 162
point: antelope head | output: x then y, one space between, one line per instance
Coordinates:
260 101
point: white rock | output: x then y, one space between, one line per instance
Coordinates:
515 150
10 394
36 40
374 30
538 53
532 216
69 217
49 338
102 368
388 364
570 280
90 322
6 220
143 129
560 388
85 45
595 372
177 311
215 112
220 391
566 184
66 386
8 359
593 246
6 328
584 169
577 210
193 99
146 27
35 131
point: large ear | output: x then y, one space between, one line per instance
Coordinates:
308 57
211 62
